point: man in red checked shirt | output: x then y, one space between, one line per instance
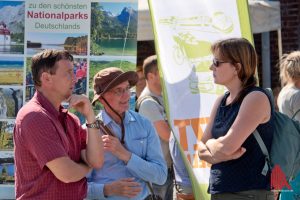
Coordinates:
53 154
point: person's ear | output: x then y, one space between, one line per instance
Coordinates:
46 78
238 67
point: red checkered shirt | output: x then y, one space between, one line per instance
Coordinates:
40 137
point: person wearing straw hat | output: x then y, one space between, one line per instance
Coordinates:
133 156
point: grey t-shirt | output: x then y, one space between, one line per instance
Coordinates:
289 101
154 111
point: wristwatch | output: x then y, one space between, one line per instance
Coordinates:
95 124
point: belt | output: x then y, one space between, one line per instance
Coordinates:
182 196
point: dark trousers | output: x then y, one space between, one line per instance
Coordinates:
245 195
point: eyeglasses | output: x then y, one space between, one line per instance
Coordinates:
121 91
217 63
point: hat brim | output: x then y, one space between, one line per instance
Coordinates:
129 76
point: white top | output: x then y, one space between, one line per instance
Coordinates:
289 101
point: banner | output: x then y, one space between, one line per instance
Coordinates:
184 32
98 33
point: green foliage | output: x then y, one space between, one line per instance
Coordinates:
18 38
28 64
4 172
96 49
96 19
98 106
10 106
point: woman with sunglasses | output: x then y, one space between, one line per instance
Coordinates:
228 143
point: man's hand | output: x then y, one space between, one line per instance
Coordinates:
113 145
125 187
93 156
82 104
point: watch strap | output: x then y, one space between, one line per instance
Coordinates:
95 124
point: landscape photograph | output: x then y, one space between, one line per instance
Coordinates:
126 63
12 18
114 28
11 100
29 85
11 70
75 43
80 72
6 152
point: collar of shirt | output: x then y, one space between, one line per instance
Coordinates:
103 115
45 103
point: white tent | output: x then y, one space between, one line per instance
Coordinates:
264 16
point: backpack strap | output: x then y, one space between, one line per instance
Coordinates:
140 100
270 95
295 114
264 150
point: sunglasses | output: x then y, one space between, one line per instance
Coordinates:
217 63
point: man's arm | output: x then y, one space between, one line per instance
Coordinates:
45 144
162 129
93 155
66 170
152 167
150 109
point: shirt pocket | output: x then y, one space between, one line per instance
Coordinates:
138 146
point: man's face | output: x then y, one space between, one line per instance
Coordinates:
118 97
156 79
63 80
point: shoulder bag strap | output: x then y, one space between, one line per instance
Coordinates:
150 187
264 150
295 114
140 100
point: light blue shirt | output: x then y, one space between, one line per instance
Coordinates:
181 174
146 162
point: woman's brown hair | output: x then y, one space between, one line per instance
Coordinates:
239 51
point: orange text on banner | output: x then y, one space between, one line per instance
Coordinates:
195 123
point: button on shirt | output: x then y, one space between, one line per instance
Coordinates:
146 162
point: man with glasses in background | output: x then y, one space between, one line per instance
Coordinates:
133 157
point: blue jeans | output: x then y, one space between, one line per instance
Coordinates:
165 191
